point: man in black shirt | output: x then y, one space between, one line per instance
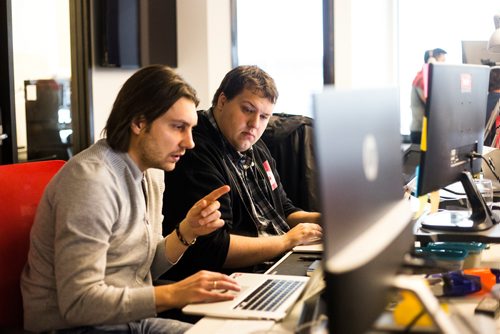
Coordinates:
261 222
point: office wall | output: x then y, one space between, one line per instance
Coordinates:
365 43
365 49
204 56
204 44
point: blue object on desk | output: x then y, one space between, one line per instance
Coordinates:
496 272
454 284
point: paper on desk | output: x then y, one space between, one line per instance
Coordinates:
456 191
434 198
422 204
225 326
430 202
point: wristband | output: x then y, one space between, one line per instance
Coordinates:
181 238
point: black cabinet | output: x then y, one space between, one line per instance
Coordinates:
135 33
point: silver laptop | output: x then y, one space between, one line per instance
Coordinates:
261 296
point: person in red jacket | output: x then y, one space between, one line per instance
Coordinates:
419 95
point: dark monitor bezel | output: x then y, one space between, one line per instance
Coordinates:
453 126
452 143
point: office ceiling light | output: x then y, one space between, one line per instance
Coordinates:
494 42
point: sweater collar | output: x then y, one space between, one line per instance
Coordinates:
126 159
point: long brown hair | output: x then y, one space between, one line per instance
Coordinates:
147 95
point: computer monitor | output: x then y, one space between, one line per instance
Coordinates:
476 52
452 142
366 222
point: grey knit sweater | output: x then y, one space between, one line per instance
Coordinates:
95 247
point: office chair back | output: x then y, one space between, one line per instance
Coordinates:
290 141
21 187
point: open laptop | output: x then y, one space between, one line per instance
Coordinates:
262 296
313 247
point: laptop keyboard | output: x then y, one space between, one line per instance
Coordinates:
270 295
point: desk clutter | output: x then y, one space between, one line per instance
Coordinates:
465 282
481 284
452 255
458 268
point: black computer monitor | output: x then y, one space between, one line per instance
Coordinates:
366 222
452 142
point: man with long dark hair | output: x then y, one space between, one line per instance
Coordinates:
97 244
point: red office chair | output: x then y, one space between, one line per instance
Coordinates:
21 187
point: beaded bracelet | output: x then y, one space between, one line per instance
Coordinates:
181 239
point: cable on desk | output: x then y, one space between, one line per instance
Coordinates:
414 321
453 192
491 166
489 162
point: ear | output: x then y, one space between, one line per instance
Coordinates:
221 101
138 124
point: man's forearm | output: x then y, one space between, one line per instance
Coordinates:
248 251
303 217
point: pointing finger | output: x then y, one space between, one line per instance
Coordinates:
214 195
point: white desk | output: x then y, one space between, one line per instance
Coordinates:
462 307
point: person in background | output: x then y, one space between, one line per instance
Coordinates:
493 98
96 244
418 97
261 221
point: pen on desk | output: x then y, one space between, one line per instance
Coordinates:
309 258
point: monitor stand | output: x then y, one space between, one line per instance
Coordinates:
480 219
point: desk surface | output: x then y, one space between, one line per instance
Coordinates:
461 306
491 235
